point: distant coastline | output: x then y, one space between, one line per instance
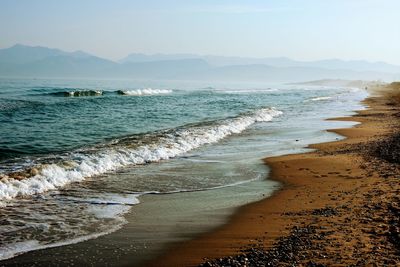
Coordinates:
343 83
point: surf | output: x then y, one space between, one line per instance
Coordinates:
153 147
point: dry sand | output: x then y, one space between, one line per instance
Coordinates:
339 205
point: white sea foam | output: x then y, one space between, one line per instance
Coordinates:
106 211
82 93
147 91
11 250
170 145
321 98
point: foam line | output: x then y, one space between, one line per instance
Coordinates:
169 145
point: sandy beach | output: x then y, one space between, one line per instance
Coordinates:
338 205
199 133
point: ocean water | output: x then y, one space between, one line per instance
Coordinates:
77 155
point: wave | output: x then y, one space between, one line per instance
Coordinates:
136 92
247 91
147 91
104 212
129 151
321 98
8 251
78 93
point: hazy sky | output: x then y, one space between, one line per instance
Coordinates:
300 29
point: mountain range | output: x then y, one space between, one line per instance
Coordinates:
42 62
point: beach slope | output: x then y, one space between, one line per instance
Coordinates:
338 205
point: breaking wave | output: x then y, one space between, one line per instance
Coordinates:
321 98
135 92
152 147
147 91
78 93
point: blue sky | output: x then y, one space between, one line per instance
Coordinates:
300 29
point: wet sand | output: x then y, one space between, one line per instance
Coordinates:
339 205
159 221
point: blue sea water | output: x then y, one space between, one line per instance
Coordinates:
92 148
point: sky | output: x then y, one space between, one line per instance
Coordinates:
299 29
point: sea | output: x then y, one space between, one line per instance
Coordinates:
77 156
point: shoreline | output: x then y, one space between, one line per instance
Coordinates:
319 190
130 245
164 220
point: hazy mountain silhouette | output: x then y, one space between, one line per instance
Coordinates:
138 57
164 69
20 54
27 61
356 65
22 60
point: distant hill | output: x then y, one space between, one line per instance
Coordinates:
264 73
66 65
27 61
219 61
164 69
22 60
21 54
139 58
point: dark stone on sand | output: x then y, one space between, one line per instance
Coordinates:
288 251
387 149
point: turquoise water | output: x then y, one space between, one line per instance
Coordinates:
37 118
91 148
